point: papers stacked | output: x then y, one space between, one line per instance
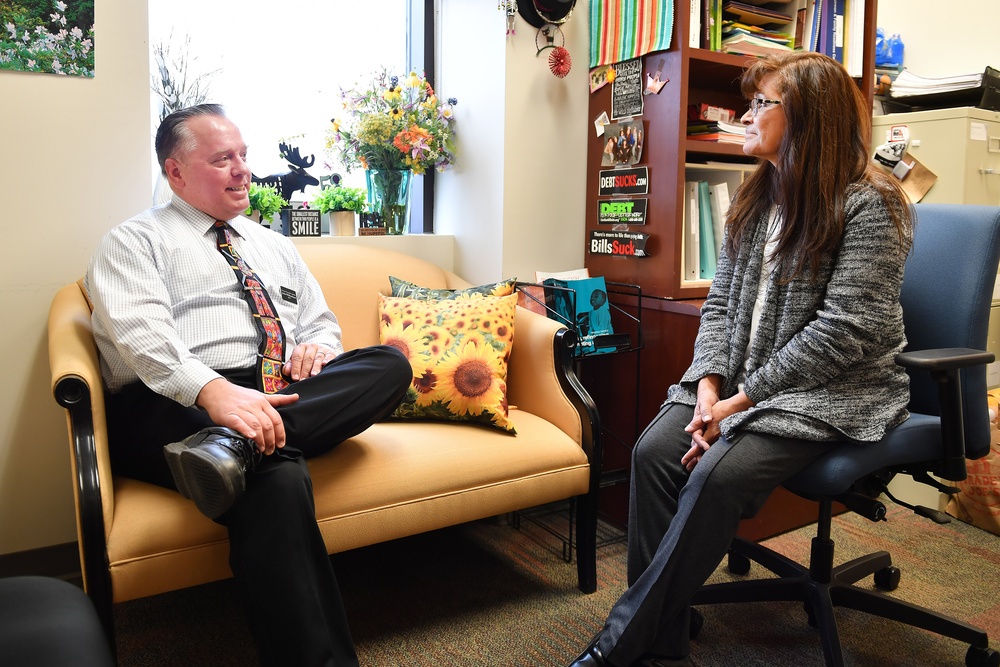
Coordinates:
908 83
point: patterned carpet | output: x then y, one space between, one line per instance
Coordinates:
486 594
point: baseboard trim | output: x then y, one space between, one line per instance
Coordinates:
59 560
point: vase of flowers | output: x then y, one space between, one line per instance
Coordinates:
389 197
393 128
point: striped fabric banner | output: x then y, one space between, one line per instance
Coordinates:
624 29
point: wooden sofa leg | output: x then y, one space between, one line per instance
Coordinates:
586 541
100 594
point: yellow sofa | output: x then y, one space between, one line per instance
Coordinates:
398 478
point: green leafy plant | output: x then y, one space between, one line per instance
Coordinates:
265 198
340 198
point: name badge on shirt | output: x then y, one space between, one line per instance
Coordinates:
289 295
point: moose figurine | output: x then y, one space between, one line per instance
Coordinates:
289 181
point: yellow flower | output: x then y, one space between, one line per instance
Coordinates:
414 80
395 113
470 379
611 74
407 340
426 386
438 340
392 94
335 125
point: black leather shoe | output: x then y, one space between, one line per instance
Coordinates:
591 657
210 467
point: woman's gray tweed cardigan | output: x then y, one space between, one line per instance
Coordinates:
822 363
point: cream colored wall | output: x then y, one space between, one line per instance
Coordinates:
942 39
515 202
74 156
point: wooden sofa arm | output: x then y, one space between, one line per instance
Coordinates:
77 386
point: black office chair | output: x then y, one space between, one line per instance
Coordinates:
49 622
946 298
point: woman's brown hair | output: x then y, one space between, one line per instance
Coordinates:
825 149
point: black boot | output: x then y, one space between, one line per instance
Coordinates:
591 656
210 467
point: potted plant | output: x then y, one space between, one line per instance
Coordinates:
265 200
342 204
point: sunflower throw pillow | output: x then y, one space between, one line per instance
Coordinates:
458 349
401 287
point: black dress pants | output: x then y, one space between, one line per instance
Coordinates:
681 525
277 553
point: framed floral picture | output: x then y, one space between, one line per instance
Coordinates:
48 36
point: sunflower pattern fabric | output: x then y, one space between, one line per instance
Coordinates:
458 349
400 287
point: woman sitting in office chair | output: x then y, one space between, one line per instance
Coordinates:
795 349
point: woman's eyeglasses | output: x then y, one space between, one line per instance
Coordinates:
756 104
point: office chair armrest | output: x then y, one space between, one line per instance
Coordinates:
944 359
945 366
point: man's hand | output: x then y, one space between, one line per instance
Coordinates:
247 411
306 360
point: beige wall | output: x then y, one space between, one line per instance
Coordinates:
515 201
74 156
943 39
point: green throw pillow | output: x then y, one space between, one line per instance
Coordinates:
401 287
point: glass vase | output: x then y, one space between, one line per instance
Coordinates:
389 197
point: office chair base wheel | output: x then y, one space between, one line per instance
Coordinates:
982 657
887 579
738 563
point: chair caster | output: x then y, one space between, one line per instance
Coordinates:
887 579
982 657
738 563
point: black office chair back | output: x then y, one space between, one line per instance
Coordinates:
946 296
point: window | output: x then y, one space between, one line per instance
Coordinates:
278 67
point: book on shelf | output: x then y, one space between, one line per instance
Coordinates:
718 194
719 131
837 30
748 45
707 253
824 42
854 37
756 15
692 224
694 26
705 208
756 29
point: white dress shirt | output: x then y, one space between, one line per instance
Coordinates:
168 309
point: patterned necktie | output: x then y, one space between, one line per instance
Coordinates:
271 352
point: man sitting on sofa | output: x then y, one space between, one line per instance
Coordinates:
208 324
